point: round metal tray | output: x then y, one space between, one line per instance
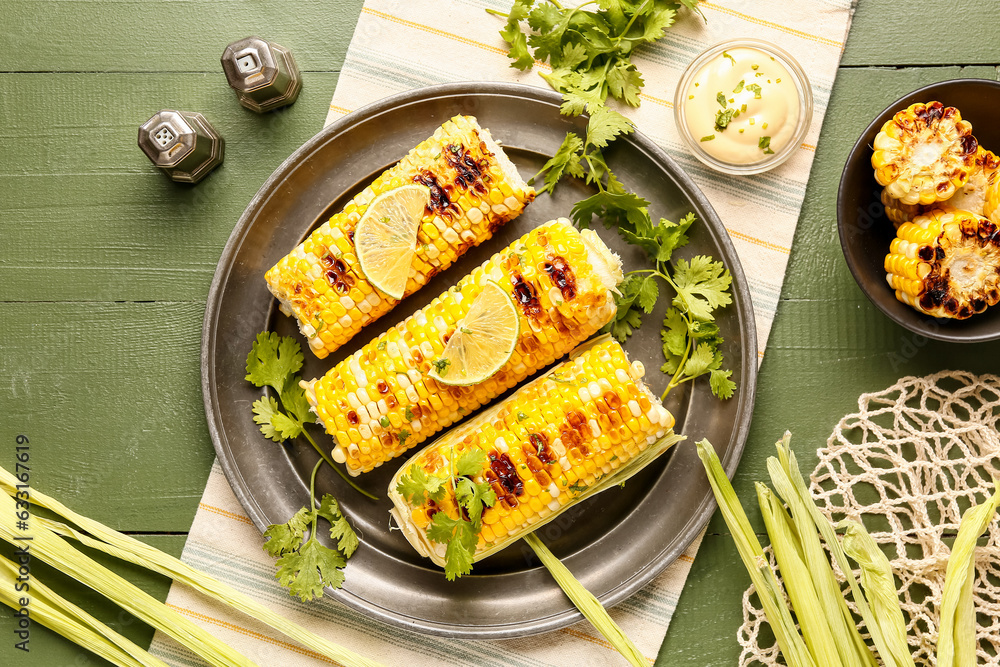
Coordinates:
614 543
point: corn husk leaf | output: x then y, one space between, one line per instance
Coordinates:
880 589
957 631
62 616
50 548
794 572
589 606
791 469
850 644
792 646
134 551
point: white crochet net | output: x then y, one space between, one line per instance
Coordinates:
908 464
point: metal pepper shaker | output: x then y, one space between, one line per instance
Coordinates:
181 143
263 74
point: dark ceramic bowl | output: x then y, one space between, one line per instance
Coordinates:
865 231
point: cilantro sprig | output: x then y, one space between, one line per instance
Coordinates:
590 50
590 53
304 564
459 533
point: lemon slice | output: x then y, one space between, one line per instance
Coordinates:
483 341
386 237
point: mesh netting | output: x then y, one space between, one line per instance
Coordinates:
908 464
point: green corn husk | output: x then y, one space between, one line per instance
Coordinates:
50 548
791 469
792 646
850 645
132 550
798 584
585 601
62 616
957 631
880 589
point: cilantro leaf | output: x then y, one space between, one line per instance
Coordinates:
721 385
605 124
515 37
625 83
566 160
274 424
657 21
340 529
461 540
417 484
672 235
471 462
293 398
281 538
629 307
674 334
702 286
273 359
307 571
613 209
699 361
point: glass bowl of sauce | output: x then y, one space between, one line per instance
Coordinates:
743 106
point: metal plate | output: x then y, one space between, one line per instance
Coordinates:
614 543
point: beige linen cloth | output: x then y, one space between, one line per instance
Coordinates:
403 44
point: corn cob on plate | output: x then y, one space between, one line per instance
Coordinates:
657 513
472 189
587 425
380 401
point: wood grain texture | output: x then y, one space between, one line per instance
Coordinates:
86 215
906 32
109 395
143 36
49 649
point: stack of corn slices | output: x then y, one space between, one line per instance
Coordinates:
942 193
826 634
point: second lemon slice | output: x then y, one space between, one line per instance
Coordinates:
386 237
483 341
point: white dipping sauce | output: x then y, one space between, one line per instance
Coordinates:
759 106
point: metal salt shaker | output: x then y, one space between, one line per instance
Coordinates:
263 74
181 143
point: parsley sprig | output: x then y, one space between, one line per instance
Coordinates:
460 533
304 564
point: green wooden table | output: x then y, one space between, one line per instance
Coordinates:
105 264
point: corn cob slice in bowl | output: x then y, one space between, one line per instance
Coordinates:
924 153
946 263
381 401
985 175
588 424
473 188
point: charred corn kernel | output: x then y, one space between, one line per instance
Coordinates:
945 263
973 196
587 278
460 158
924 153
528 495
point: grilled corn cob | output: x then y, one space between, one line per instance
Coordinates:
924 153
379 402
588 424
474 189
945 263
985 173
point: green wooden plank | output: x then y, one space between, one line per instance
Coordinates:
139 36
95 220
48 649
109 396
909 32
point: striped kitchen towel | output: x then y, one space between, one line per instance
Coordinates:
403 44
